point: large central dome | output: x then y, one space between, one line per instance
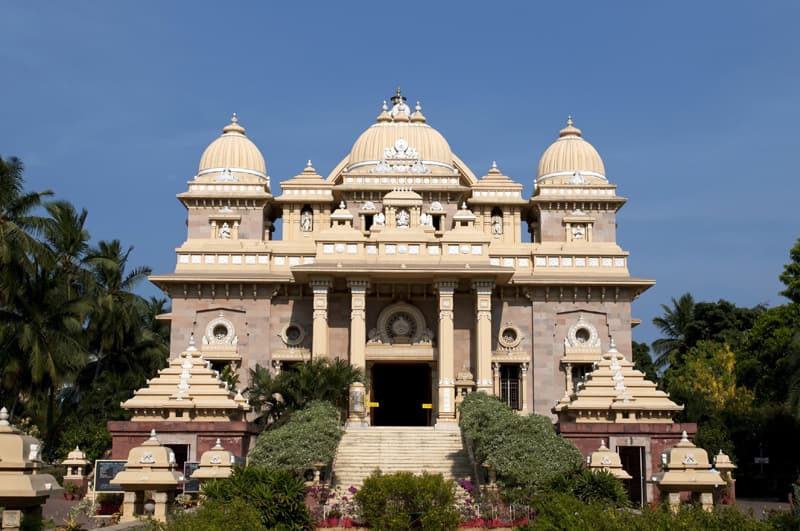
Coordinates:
401 142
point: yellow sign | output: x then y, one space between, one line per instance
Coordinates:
373 404
427 406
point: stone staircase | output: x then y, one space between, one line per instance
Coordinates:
395 449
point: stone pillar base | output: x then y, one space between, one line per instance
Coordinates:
357 409
444 423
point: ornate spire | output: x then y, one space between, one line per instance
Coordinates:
4 417
569 120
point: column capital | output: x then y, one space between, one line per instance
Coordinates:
358 285
483 287
320 284
446 287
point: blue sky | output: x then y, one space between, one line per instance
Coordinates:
693 106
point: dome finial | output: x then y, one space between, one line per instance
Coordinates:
418 108
234 119
569 120
384 107
308 164
494 164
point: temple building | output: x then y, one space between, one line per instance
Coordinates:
405 262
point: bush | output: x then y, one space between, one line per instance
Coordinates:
525 451
310 435
402 500
231 515
592 486
556 511
278 496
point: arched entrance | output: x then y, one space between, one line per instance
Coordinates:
402 392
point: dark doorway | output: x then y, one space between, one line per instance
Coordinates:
632 458
401 390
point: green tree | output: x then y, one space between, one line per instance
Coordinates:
791 275
673 324
643 361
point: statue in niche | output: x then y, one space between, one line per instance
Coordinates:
380 219
225 231
403 218
578 231
306 221
374 336
497 224
425 219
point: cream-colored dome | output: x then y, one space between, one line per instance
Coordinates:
231 157
398 140
570 159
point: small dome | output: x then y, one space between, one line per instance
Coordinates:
401 137
232 156
571 160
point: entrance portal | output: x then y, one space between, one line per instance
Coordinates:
632 458
401 389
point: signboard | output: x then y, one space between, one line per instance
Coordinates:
373 404
761 460
190 486
104 472
427 406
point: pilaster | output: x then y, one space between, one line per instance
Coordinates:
483 334
523 387
320 342
446 414
358 339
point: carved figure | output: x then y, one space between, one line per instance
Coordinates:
379 219
374 336
578 231
225 231
402 218
306 221
425 219
497 225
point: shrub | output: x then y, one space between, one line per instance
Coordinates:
230 515
402 500
592 487
525 451
278 496
309 436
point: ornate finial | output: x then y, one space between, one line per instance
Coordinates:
153 435
569 121
3 417
398 91
613 345
602 443
342 205
218 446
463 205
308 164
234 119
191 339
418 107
384 107
684 437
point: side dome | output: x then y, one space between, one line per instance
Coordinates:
571 159
401 142
232 157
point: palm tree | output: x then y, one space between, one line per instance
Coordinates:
67 240
673 324
116 310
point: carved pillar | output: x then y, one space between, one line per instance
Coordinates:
496 375
446 414
483 333
570 388
523 386
358 354
320 340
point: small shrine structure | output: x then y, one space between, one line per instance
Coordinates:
150 467
605 460
77 472
190 407
23 490
687 469
216 463
617 403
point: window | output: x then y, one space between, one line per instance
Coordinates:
510 385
